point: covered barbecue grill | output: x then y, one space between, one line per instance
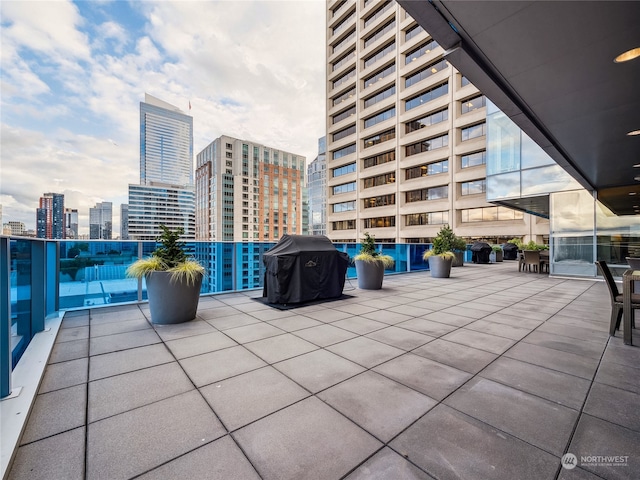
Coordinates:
301 268
480 252
510 251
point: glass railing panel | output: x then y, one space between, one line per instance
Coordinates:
21 266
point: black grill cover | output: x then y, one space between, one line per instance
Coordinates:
480 252
301 268
510 251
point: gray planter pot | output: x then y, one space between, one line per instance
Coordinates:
172 302
440 267
459 260
499 256
370 275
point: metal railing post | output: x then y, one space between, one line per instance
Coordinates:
5 317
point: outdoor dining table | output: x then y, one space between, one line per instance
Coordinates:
628 278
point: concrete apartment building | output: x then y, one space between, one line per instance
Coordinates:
406 135
247 192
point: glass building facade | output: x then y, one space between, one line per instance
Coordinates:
317 185
582 230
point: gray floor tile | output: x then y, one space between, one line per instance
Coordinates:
381 406
623 354
65 374
571 363
328 315
292 324
427 327
359 325
58 457
115 314
618 375
122 341
581 333
400 338
102 329
72 350
356 308
221 459
251 333
365 352
595 437
558 387
385 465
70 321
451 445
479 340
74 333
318 370
136 441
231 321
536 421
324 335
448 319
614 405
113 395
431 378
306 440
241 400
456 355
215 366
385 316
281 347
198 344
515 320
566 344
56 412
410 310
499 329
271 314
464 311
115 363
182 330
576 473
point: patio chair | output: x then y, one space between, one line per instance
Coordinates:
616 298
532 259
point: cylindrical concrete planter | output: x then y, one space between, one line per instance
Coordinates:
172 302
458 261
370 274
440 267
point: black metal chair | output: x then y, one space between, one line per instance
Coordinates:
616 298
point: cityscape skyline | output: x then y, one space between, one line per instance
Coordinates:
73 78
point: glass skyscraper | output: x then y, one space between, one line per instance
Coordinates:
50 216
166 194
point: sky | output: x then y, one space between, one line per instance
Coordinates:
73 75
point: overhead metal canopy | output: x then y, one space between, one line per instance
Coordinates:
549 65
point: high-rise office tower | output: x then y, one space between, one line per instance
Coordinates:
317 188
50 216
100 221
248 192
166 193
406 135
124 221
71 222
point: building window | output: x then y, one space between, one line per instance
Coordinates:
427 96
474 187
379 55
344 225
344 78
425 72
423 49
345 96
371 39
380 96
344 188
343 60
427 169
427 145
345 169
349 149
490 214
380 222
229 146
345 41
381 137
345 132
427 218
473 104
464 81
377 14
379 180
423 194
427 121
343 23
229 154
380 201
344 207
412 32
474 131
344 114
380 159
380 117
376 77
473 159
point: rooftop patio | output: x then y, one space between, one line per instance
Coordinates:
491 373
